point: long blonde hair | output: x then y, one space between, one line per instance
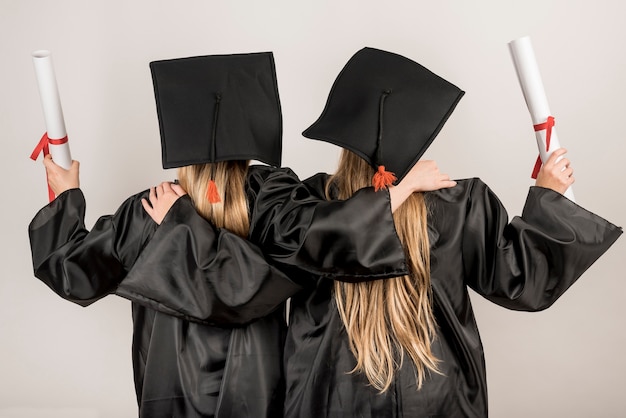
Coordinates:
229 176
388 319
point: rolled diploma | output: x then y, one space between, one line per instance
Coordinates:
532 87
51 103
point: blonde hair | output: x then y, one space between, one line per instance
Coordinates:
229 176
388 319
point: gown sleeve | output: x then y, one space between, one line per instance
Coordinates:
83 266
350 240
529 263
195 271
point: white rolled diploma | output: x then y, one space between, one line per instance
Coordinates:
529 78
52 111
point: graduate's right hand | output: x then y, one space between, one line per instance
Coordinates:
162 198
59 178
424 176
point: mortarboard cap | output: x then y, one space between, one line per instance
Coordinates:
217 108
385 108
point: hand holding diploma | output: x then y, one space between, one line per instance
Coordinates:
532 87
54 141
556 173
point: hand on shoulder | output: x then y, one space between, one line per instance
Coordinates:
162 198
424 176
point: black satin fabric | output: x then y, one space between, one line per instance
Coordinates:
192 270
81 265
524 264
187 368
185 363
350 240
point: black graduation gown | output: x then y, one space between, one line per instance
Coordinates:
182 368
524 264
190 293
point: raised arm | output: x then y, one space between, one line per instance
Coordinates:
83 265
529 263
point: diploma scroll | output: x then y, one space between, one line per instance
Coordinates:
54 141
56 136
530 81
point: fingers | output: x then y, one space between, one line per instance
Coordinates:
555 155
75 166
47 160
562 163
444 179
49 163
146 206
178 189
152 194
159 190
160 200
167 188
174 188
568 174
50 166
556 173
425 176
445 182
163 189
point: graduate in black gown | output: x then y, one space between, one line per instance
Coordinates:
384 325
409 346
215 114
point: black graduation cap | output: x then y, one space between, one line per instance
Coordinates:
385 108
218 107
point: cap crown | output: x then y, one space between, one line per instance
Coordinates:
217 108
386 108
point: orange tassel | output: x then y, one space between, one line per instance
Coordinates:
382 179
211 192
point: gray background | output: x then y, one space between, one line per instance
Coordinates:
57 359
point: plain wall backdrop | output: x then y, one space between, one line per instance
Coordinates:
58 359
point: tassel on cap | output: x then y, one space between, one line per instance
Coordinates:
382 179
212 194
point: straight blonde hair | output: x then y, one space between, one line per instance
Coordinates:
230 177
389 318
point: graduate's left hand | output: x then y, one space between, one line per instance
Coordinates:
162 198
556 173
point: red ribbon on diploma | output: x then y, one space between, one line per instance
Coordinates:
547 125
42 147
